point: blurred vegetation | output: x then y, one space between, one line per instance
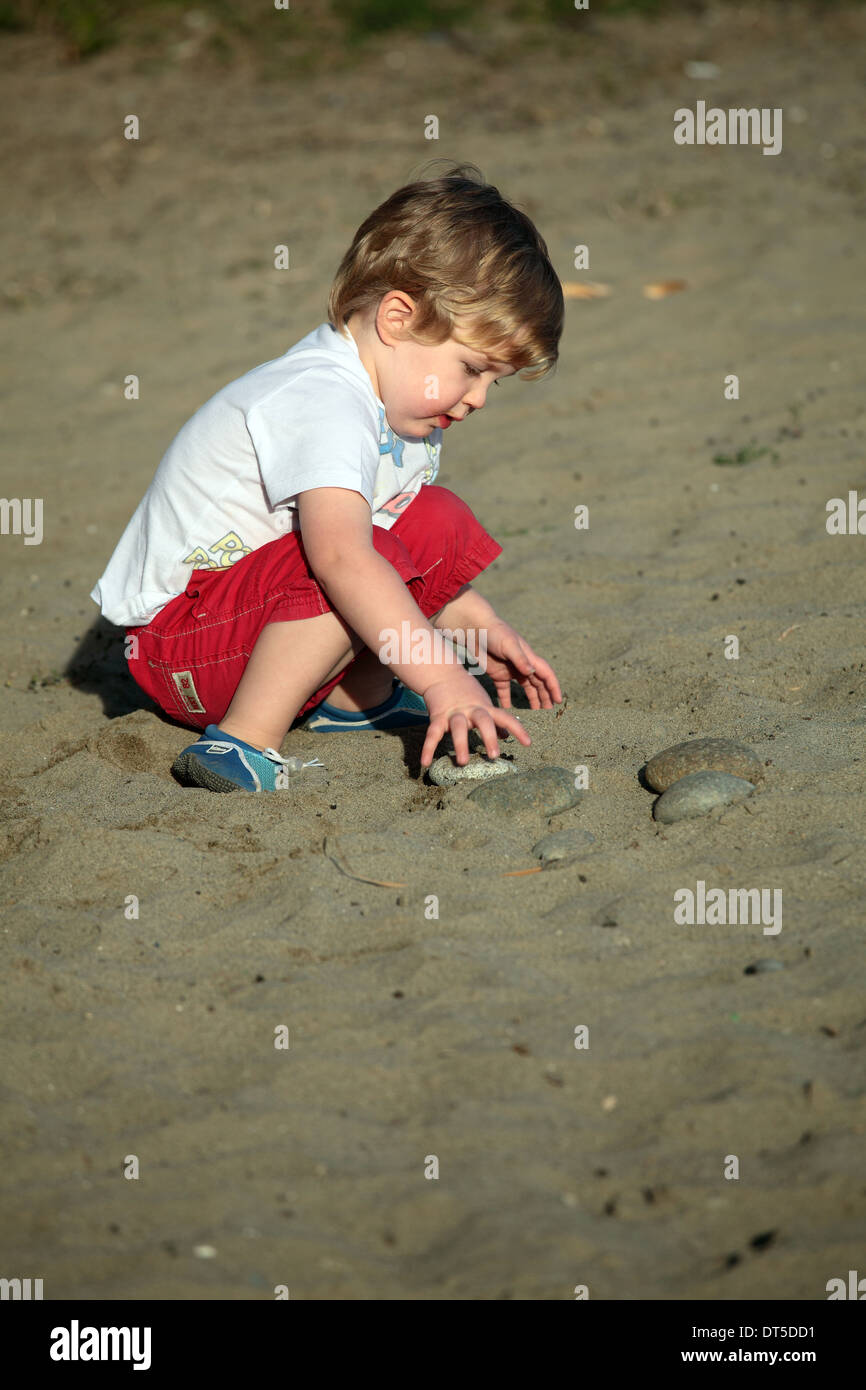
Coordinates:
308 27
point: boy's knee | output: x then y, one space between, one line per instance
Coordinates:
444 509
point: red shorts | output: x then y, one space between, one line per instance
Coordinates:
191 656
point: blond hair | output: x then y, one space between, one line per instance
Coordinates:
475 265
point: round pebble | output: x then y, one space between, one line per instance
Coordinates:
760 967
699 793
702 755
445 772
546 790
562 846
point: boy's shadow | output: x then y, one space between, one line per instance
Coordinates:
98 666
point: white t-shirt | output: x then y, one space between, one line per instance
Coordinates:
229 481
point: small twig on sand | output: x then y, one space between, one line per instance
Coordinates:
516 873
332 853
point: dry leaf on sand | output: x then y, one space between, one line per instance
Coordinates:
660 289
584 289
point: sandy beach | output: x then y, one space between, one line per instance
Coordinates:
154 937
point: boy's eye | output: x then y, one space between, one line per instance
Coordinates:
475 371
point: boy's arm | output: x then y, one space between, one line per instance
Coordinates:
369 595
467 609
367 592
506 655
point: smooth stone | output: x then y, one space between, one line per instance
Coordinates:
702 755
445 772
760 967
562 845
547 790
698 793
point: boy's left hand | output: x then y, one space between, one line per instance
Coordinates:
508 658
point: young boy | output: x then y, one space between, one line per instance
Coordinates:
294 522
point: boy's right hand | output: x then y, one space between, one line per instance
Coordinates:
457 703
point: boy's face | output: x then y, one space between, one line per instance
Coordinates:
423 387
439 385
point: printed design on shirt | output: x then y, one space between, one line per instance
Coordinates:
223 553
391 443
186 690
432 469
395 505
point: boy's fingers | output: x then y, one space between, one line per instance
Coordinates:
485 719
552 685
513 725
434 733
546 684
535 690
481 725
543 694
460 738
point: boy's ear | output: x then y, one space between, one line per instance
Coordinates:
393 315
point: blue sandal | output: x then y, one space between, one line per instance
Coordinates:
403 709
225 764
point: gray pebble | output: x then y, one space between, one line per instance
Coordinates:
760 967
445 771
546 790
562 846
702 755
698 793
